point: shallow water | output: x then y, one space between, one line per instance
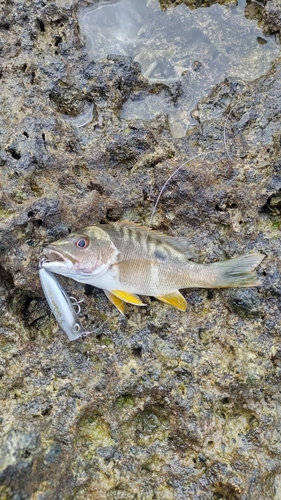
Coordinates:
198 48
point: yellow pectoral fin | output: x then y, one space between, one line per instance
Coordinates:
174 299
115 300
127 297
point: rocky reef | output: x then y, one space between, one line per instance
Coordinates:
160 404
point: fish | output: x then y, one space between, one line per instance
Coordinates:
126 260
60 304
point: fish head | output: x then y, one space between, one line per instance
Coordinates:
89 252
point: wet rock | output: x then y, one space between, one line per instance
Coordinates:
245 303
159 404
18 453
271 23
254 11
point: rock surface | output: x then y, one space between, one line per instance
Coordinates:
161 404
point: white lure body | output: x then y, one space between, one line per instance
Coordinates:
61 305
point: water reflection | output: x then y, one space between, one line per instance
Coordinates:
199 47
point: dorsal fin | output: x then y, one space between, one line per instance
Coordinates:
179 243
133 225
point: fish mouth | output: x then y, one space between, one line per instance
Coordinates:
53 255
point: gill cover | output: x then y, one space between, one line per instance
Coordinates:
91 251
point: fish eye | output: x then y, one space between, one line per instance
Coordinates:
82 242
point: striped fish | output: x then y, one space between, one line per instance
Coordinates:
127 260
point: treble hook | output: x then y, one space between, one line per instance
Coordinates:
75 303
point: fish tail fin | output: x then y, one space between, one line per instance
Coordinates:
237 272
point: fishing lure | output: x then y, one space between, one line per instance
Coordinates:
61 305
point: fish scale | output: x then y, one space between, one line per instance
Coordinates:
134 244
125 259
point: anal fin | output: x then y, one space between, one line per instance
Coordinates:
127 297
116 301
174 299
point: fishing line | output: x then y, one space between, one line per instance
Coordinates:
224 129
191 159
96 330
85 333
169 179
227 118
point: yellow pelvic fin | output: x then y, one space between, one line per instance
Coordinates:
116 301
127 297
174 299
